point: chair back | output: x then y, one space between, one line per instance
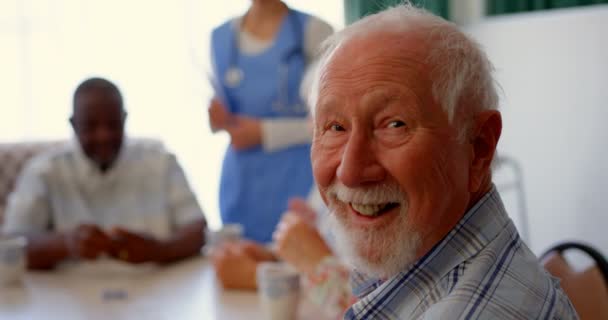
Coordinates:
13 157
587 289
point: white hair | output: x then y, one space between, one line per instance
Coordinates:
461 74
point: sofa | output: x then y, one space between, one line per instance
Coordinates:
13 157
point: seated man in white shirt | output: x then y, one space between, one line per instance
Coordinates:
106 194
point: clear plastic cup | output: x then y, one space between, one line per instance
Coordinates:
229 232
12 260
278 290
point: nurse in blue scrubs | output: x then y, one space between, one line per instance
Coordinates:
258 62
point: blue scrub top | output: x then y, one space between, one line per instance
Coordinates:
255 184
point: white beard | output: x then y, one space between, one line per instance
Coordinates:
379 252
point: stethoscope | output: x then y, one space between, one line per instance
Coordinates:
234 74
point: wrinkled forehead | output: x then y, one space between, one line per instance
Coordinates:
408 44
388 61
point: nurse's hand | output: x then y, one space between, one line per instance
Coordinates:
235 263
219 117
297 240
245 132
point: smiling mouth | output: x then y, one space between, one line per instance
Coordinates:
373 210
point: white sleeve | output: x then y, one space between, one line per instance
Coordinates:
315 33
28 208
281 133
284 132
183 205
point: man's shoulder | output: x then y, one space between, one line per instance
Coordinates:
226 26
556 307
145 149
504 280
146 154
507 284
145 145
48 161
504 303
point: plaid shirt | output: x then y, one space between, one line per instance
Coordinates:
480 270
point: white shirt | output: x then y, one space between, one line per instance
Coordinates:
144 191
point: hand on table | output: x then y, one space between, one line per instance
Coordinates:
135 247
235 263
297 240
87 241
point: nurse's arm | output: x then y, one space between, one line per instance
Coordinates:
219 116
245 132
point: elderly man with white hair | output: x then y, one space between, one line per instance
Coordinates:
405 129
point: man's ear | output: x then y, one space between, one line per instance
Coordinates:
487 127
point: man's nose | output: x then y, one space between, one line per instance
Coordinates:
103 134
359 165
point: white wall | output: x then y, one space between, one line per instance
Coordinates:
553 68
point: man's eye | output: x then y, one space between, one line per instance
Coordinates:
336 127
396 124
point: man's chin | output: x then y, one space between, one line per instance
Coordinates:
104 163
376 253
383 263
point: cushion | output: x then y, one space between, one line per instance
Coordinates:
13 157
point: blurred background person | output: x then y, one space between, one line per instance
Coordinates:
104 194
258 62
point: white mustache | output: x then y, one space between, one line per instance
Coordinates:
378 194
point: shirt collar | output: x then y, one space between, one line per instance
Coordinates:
87 170
477 228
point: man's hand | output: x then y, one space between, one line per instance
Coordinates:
135 247
87 241
235 263
219 117
245 132
297 240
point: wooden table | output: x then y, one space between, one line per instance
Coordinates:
110 290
